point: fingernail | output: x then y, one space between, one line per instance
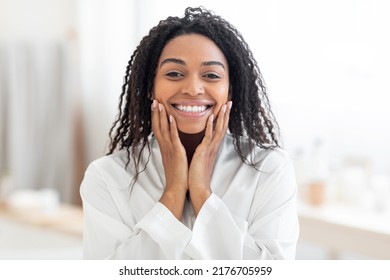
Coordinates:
224 108
212 117
160 107
170 119
230 104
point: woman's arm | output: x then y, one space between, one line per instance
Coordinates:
174 160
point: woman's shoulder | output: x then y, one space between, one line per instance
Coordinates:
267 158
274 159
109 169
116 160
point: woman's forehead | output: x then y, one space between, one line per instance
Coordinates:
192 46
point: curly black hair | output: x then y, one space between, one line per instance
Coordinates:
251 115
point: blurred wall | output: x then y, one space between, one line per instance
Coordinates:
107 32
37 19
39 76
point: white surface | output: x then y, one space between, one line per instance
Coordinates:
21 241
341 228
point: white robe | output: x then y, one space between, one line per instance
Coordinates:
250 214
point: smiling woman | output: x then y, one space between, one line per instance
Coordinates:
195 169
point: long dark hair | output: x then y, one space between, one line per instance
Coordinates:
251 115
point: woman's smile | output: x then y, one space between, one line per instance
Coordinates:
192 109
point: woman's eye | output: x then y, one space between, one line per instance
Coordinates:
174 74
211 76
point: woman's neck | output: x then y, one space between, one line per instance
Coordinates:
191 142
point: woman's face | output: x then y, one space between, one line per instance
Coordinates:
192 81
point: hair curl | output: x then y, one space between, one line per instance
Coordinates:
251 115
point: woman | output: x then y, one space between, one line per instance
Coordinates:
194 169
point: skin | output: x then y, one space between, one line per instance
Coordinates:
192 70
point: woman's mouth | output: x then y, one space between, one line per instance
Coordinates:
192 108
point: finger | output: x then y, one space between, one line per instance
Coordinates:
220 121
174 131
164 126
209 130
227 115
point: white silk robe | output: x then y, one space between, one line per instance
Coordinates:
251 214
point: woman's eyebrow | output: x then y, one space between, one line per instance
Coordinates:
182 62
172 60
212 62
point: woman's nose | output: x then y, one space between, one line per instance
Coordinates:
193 86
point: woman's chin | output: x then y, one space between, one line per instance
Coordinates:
191 129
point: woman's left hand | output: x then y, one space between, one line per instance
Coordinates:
202 163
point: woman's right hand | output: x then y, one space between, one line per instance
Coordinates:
173 157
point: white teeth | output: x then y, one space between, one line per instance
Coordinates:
191 109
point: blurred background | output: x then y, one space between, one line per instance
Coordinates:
326 66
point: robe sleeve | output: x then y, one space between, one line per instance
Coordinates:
270 231
158 235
